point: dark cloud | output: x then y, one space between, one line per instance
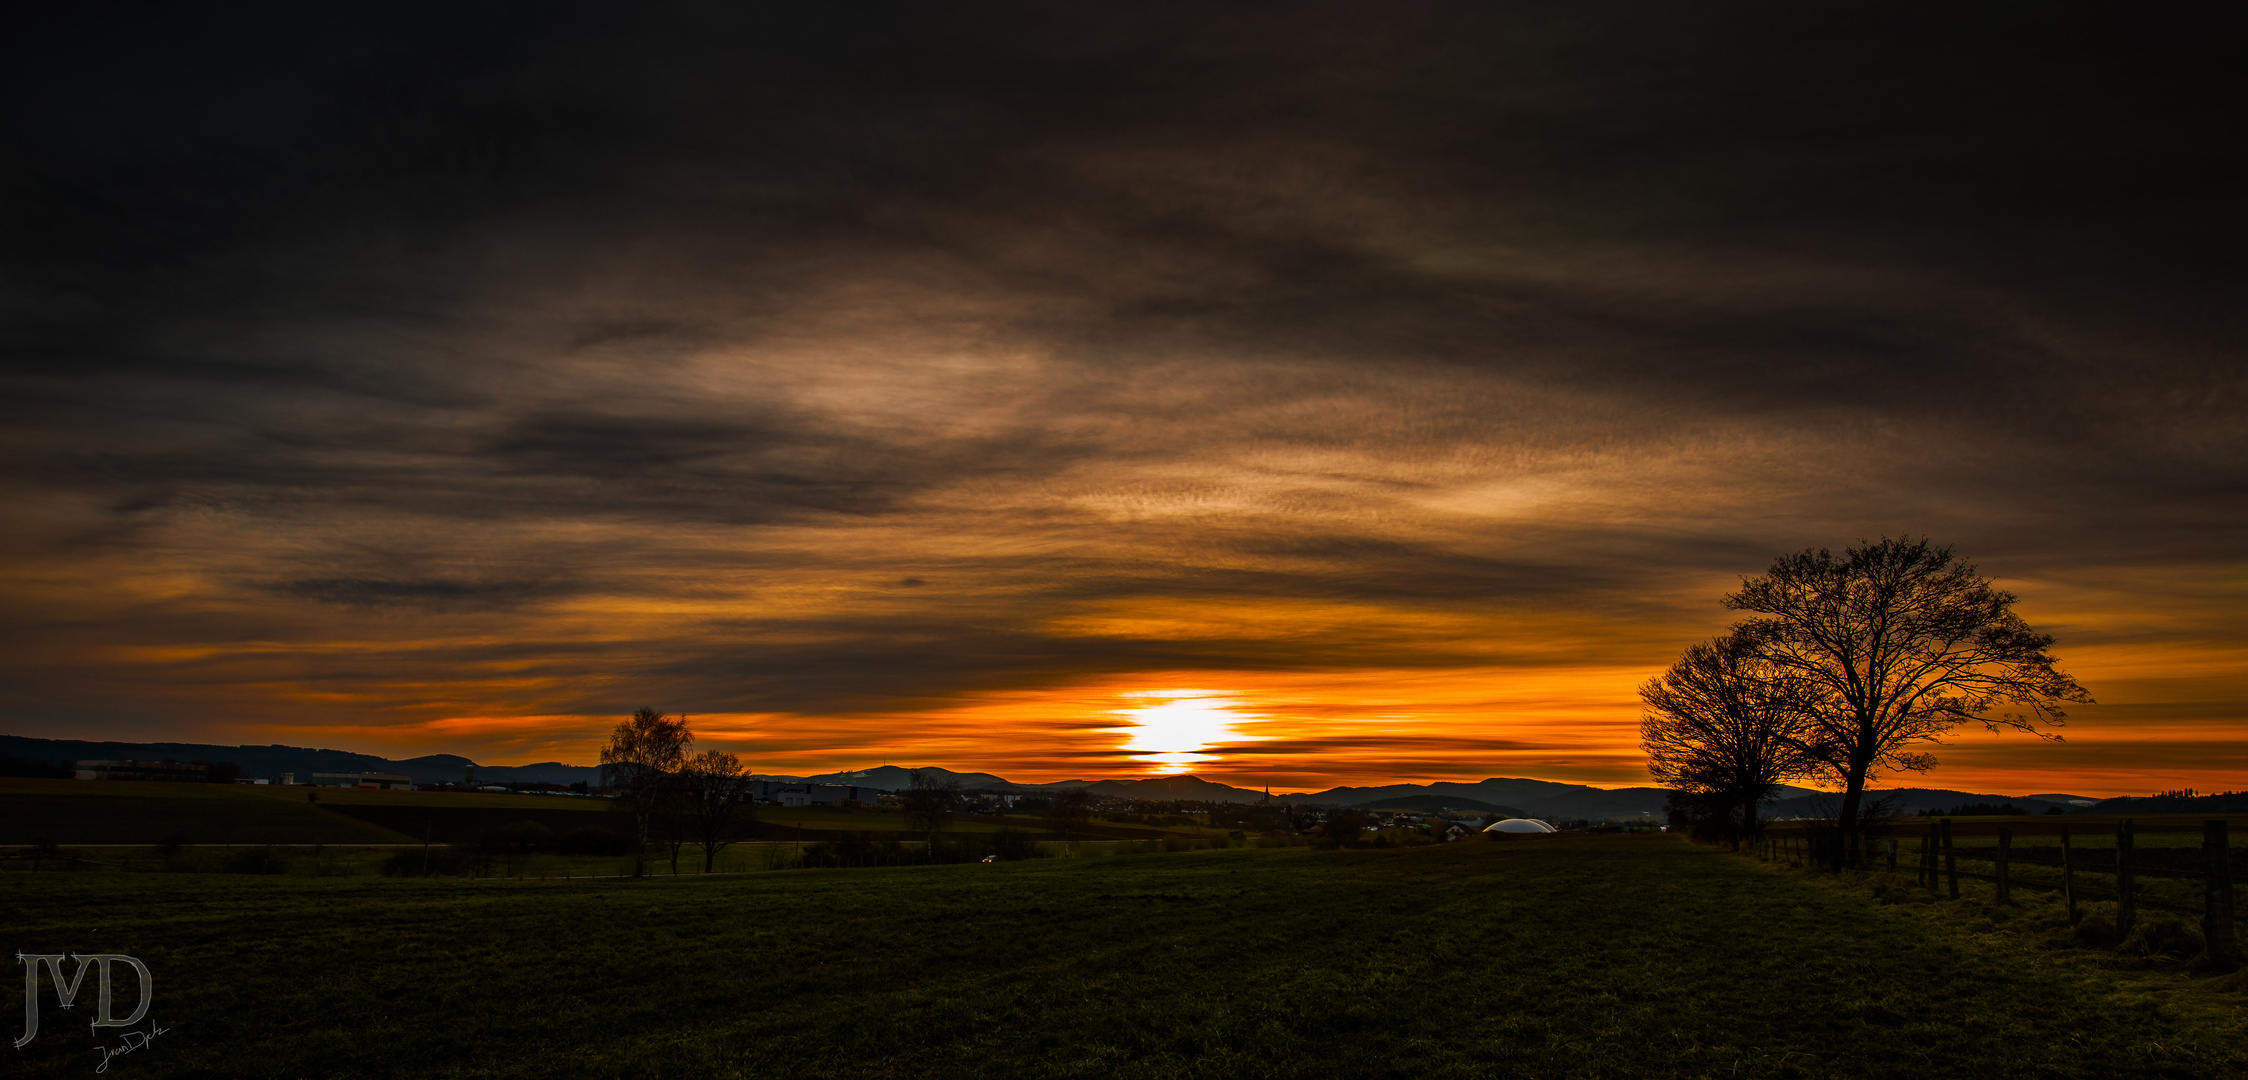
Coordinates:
427 592
849 358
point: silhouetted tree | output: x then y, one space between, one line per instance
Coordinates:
1977 809
1897 643
11 765
642 760
1725 728
1345 828
715 791
930 801
518 840
1700 813
1067 812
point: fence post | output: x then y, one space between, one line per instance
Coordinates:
2220 949
2068 876
1951 858
2124 909
2005 849
1928 859
1892 854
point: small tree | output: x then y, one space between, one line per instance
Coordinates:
1346 827
1067 812
1898 643
1723 729
715 789
930 801
643 759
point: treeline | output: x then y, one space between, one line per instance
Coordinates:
1984 809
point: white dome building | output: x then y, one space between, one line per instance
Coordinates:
1521 825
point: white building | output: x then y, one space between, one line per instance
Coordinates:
788 793
386 781
1520 826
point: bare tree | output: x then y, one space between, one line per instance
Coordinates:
930 801
1724 728
715 789
1345 827
643 759
1898 643
1068 811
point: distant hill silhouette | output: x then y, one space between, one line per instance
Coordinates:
1496 790
1909 801
1517 796
2235 802
1434 803
269 762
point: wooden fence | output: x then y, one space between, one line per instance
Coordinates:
2077 873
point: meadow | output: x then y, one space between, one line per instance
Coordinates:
2168 857
146 813
1568 956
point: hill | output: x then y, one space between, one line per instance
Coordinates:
1532 797
269 762
1599 803
1436 803
896 778
1496 790
2230 802
1914 800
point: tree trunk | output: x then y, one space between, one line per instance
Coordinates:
1853 797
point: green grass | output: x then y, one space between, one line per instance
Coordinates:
836 819
13 786
145 812
2085 830
1616 956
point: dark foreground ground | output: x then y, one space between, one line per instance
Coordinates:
1614 956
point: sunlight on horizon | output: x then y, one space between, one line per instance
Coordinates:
1175 730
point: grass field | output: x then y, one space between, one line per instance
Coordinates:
2168 853
1572 956
146 812
2085 830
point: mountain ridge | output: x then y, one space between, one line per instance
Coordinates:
1538 798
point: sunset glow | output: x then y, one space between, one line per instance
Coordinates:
1171 733
1076 395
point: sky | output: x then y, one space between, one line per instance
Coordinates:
1296 394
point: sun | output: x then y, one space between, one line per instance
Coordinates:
1174 729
